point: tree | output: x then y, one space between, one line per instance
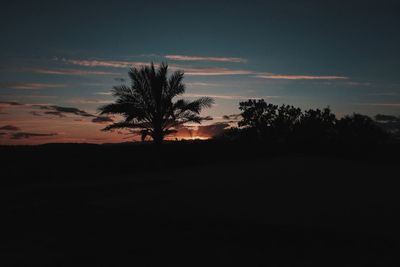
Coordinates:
257 115
272 123
147 105
317 126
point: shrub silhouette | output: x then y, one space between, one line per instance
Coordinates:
359 129
390 123
147 105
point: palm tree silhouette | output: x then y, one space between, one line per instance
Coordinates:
147 105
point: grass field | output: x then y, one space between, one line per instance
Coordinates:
279 210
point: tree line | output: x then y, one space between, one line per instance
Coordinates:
148 108
265 122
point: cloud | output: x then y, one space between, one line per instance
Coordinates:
229 97
102 119
34 113
89 101
55 113
384 94
71 72
201 84
103 93
211 130
298 77
106 63
215 71
9 103
61 111
64 111
26 135
232 117
9 128
190 71
378 104
30 86
200 58
359 83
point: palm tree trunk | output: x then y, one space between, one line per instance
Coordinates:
158 136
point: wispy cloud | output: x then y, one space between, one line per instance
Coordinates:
10 103
232 117
215 71
299 77
103 93
30 86
229 97
384 94
201 84
26 135
70 72
102 119
200 58
9 128
106 63
89 101
61 111
378 104
192 71
359 83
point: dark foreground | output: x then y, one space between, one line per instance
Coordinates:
280 209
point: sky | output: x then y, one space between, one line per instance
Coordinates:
60 59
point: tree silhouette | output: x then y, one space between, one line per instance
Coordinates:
270 122
317 126
359 129
147 105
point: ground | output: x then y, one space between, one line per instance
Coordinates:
282 210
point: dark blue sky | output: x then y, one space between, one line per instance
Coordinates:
344 54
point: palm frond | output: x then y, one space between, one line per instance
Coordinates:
175 85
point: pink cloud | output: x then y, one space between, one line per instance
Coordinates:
106 63
31 86
299 77
229 97
199 58
89 101
71 72
214 71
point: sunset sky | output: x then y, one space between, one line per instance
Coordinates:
59 59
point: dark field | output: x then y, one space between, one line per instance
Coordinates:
199 204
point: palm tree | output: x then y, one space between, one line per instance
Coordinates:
147 105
